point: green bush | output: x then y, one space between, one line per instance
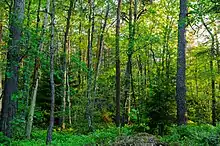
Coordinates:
100 137
4 140
194 135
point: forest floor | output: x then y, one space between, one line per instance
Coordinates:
191 135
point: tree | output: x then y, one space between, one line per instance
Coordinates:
181 65
89 63
100 48
11 77
117 59
212 55
65 61
52 51
37 69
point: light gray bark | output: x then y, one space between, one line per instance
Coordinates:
36 75
65 63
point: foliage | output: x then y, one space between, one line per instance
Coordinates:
102 137
152 85
4 140
194 135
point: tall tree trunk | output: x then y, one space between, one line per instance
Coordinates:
89 59
36 77
1 32
101 45
212 55
68 86
128 68
11 81
117 59
218 61
26 75
80 54
181 65
52 51
133 34
65 62
128 75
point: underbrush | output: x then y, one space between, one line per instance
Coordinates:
99 137
193 135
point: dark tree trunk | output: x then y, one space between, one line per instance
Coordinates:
52 51
181 65
89 59
1 32
117 57
129 65
11 80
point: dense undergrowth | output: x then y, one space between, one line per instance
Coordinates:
191 135
101 137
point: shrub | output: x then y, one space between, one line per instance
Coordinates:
194 135
100 137
4 140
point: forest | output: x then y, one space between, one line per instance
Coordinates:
110 72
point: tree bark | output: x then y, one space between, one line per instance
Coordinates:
52 51
89 59
128 67
11 77
1 32
65 63
117 59
101 45
36 77
26 75
218 61
181 65
68 87
212 55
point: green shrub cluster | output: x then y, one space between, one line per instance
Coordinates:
99 137
194 135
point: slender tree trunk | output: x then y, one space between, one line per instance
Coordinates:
11 82
80 77
26 75
133 33
36 69
101 46
212 55
65 62
128 75
1 32
128 67
68 86
89 76
181 65
117 58
218 61
52 51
